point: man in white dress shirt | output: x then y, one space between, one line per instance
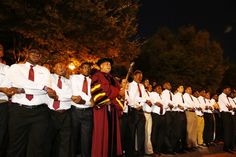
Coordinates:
158 121
226 110
191 118
82 112
167 99
60 114
137 120
28 113
180 120
4 93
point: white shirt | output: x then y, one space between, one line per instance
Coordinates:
3 80
126 103
64 94
208 103
135 99
179 100
198 104
189 101
232 103
223 102
166 98
156 98
77 90
18 76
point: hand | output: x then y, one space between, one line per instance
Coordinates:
52 93
191 109
139 108
210 108
92 103
170 106
149 103
207 107
180 107
158 104
76 99
199 109
229 107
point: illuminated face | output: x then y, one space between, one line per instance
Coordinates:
189 90
60 69
146 83
138 77
34 57
85 69
158 89
105 67
180 89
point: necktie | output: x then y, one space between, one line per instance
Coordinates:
161 108
170 96
147 93
204 100
30 77
85 86
56 103
59 82
139 90
182 98
191 97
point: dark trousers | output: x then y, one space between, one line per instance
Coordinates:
125 132
171 135
59 134
218 127
3 128
137 125
27 130
82 125
180 128
228 126
158 132
208 132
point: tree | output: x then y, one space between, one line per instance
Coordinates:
84 29
188 57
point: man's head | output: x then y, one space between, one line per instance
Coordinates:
60 69
180 89
85 68
208 95
138 76
227 90
146 83
188 90
105 64
124 84
167 85
34 56
158 89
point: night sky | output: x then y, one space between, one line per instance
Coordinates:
217 17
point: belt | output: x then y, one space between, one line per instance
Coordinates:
84 109
146 112
60 111
3 101
199 116
31 107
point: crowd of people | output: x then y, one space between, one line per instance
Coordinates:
43 113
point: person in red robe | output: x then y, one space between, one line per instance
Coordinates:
106 141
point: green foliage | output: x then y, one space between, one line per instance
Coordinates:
188 57
77 28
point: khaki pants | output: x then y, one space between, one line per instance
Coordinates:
191 129
148 131
200 129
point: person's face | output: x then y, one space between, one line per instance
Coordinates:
105 67
138 77
124 84
150 88
208 95
188 90
228 91
168 86
1 53
60 69
181 89
85 70
34 57
146 83
158 89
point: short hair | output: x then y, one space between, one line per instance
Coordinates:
137 72
85 63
